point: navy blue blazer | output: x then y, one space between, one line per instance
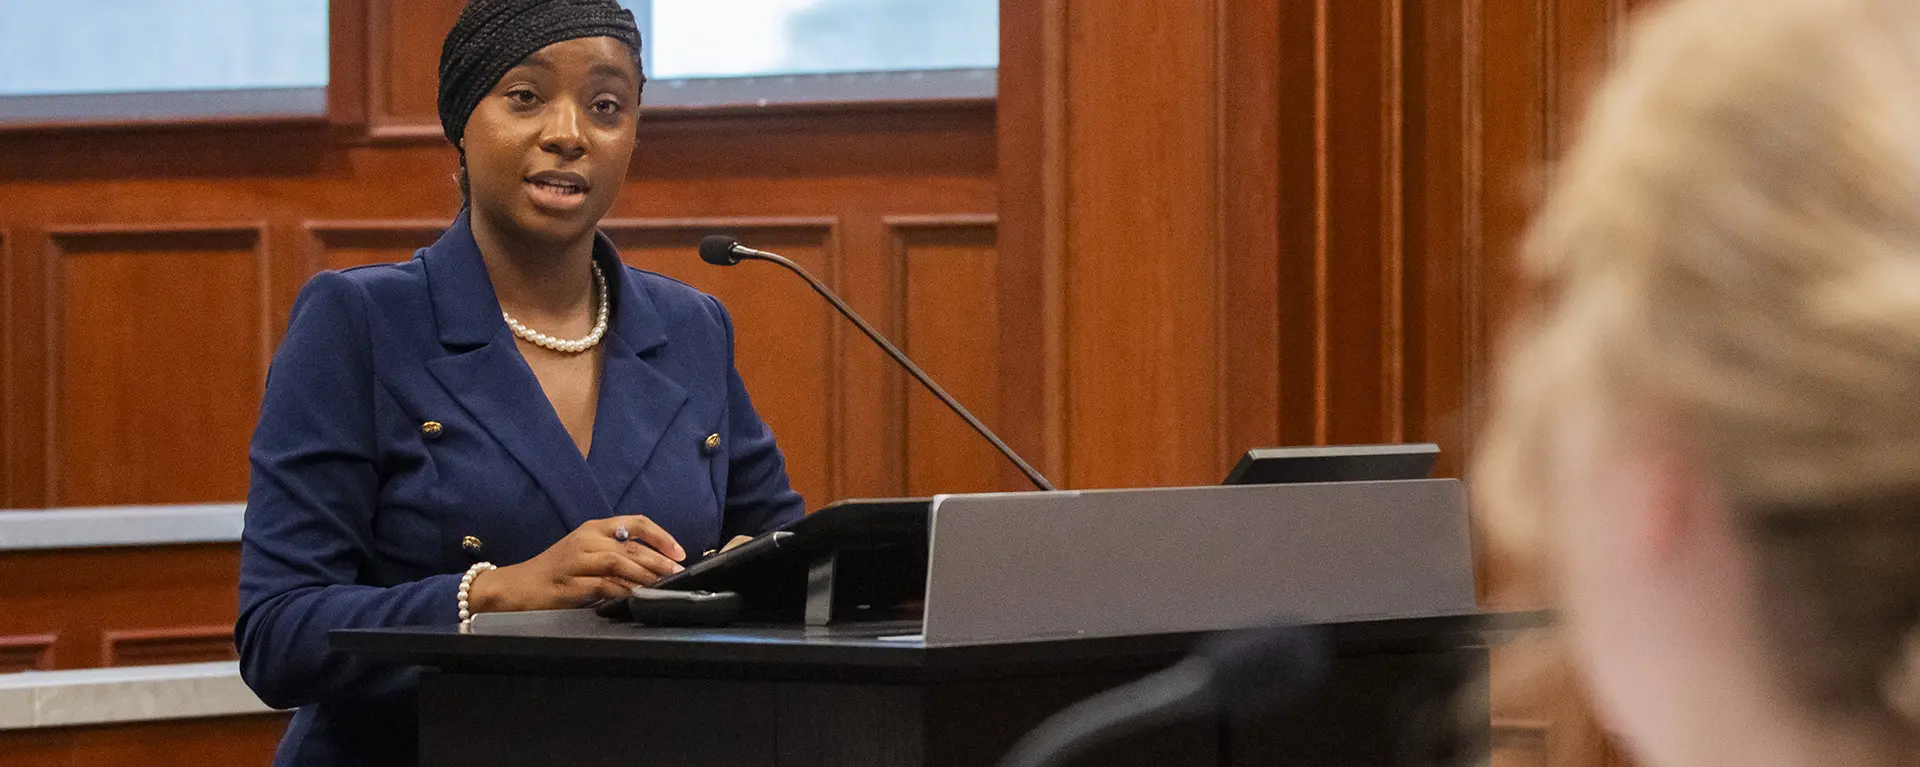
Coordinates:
356 514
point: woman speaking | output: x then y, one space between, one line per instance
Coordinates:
512 420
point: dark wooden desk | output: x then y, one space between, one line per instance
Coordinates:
571 688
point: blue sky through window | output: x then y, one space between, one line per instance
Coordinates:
111 46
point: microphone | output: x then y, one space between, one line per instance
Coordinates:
721 250
1241 673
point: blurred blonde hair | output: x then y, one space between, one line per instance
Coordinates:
1732 251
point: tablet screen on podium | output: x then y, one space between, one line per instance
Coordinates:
1339 463
863 524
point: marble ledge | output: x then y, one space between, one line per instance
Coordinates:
97 527
33 699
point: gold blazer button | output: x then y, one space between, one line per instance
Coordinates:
711 445
432 429
471 545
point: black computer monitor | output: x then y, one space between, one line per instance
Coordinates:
1340 463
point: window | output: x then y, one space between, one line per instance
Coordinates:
704 52
89 60
102 59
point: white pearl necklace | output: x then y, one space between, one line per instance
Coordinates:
561 345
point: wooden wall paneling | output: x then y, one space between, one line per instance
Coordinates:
871 405
347 244
1301 179
1143 274
403 69
79 597
1251 188
1029 138
347 58
1581 38
949 320
1359 280
160 340
24 474
1440 201
179 644
1515 136
785 341
178 743
28 652
7 343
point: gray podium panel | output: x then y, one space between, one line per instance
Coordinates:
1013 566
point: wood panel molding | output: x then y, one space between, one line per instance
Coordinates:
65 245
956 285
1030 139
182 644
74 597
1135 218
31 652
1252 97
348 54
368 234
7 388
22 360
403 40
731 225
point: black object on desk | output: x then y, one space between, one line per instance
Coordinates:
860 559
1335 463
654 607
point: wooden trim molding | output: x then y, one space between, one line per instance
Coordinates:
1030 157
321 235
347 77
7 343
64 241
32 652
720 224
152 647
902 232
942 221
380 127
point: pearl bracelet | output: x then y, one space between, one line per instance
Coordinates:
466 585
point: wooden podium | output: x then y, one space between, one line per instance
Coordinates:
1030 602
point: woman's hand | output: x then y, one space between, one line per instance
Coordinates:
596 561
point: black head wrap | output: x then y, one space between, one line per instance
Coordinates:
493 36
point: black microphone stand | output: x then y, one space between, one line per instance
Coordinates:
726 251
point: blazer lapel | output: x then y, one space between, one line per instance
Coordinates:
486 374
637 401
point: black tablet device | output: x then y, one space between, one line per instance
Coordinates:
1340 463
866 524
